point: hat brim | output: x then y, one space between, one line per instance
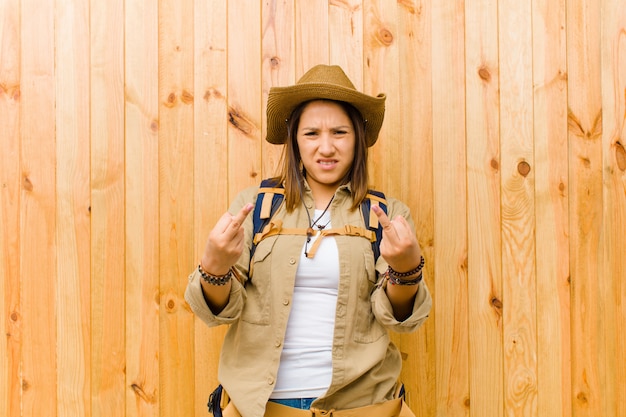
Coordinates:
282 101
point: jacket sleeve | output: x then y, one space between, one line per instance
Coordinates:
237 298
381 306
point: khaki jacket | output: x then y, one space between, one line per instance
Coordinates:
366 364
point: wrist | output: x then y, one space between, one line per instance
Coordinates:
212 279
411 277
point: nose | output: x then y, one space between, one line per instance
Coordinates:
326 144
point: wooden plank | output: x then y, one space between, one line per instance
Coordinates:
585 204
278 39
73 305
38 368
142 208
415 77
483 210
210 183
613 264
345 21
518 209
244 95
176 54
10 178
450 206
552 251
108 359
382 75
311 35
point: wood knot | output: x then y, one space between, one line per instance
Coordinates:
239 120
186 97
274 62
212 92
495 164
385 36
523 168
496 303
27 184
139 392
484 74
154 125
620 156
14 316
582 397
171 100
170 305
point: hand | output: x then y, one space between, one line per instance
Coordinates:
399 246
225 242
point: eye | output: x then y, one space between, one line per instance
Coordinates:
310 133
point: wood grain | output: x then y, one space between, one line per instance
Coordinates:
38 160
244 96
485 286
416 186
518 209
450 206
176 233
277 69
142 209
210 183
585 205
73 303
10 191
612 287
108 361
552 209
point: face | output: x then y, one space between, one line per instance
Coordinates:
326 142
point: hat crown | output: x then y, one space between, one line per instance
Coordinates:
326 74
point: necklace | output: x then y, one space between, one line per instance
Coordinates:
309 230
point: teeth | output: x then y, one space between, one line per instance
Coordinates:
326 163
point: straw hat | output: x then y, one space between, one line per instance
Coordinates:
322 82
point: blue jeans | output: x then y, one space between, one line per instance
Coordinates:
302 403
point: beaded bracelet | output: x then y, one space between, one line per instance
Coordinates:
410 273
215 279
394 280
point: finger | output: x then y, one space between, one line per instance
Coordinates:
238 219
382 217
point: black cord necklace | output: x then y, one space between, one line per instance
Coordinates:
309 230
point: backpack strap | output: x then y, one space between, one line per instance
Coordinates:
371 220
272 194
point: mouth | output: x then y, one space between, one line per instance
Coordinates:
327 163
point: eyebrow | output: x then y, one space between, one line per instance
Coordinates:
334 127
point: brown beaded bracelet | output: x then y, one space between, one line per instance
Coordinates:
410 273
215 279
393 280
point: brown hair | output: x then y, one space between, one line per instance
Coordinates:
292 174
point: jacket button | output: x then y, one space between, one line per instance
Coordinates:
292 261
270 380
286 302
277 343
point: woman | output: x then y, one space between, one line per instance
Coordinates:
309 319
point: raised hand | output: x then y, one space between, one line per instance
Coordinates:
399 246
225 242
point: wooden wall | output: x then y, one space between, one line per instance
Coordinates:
127 126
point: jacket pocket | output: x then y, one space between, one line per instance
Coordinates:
258 288
367 328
